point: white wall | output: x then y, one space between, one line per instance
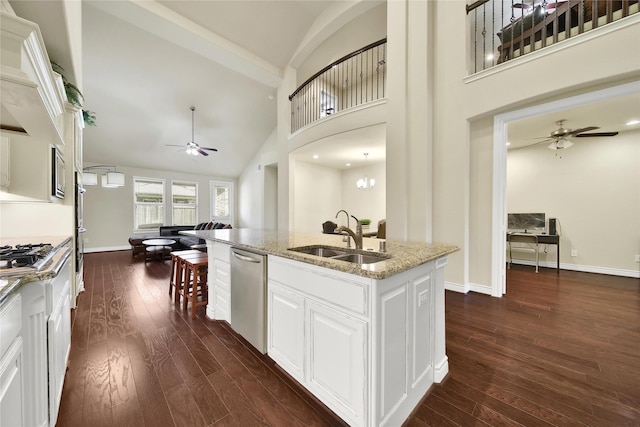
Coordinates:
593 188
31 219
317 195
462 169
251 186
108 212
320 192
365 203
361 31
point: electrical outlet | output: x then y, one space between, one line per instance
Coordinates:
637 258
423 298
574 252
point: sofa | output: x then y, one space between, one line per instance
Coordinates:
173 232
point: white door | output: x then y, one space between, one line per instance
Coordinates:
286 330
338 361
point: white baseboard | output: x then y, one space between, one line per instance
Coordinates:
583 268
441 370
107 249
456 287
481 289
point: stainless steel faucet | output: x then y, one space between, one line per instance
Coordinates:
357 236
346 238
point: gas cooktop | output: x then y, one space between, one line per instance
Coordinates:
24 257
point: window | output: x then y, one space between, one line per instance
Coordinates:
148 201
222 201
184 198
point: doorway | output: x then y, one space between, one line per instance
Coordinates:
500 137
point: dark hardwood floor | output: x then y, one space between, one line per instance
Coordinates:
557 350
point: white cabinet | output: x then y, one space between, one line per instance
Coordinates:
318 334
46 333
33 99
368 349
338 360
219 280
59 339
34 327
11 370
286 329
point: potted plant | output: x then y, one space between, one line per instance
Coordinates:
74 96
365 223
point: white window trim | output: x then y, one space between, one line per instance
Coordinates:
164 202
173 205
212 199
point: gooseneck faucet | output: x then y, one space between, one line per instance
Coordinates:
346 238
357 236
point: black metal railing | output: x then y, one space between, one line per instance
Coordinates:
355 79
505 29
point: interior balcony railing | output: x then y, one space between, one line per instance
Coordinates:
355 79
502 30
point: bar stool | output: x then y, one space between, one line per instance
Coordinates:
176 275
195 282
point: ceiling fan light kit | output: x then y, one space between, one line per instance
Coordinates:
192 148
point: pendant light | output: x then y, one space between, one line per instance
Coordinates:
365 182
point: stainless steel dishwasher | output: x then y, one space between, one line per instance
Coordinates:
249 296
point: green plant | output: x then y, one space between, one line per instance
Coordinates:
74 96
365 221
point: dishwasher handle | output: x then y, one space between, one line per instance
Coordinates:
245 258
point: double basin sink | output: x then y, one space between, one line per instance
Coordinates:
341 254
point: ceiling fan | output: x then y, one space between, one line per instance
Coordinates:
543 4
560 137
193 148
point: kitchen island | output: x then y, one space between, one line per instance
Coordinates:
368 340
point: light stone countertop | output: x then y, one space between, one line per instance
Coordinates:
11 281
403 255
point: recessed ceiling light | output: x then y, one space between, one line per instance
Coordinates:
315 156
348 164
633 122
508 144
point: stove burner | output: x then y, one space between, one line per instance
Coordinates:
23 255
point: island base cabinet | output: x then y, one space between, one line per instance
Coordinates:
219 281
337 361
364 347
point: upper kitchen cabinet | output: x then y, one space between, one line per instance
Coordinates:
32 120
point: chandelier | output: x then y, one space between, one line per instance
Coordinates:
365 182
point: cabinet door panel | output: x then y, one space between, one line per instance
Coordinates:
286 330
337 361
11 386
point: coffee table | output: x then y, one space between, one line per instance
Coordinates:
157 247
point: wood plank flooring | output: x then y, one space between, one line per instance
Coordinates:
557 350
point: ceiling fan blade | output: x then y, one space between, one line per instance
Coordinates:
546 140
584 135
201 151
173 145
209 148
581 130
554 4
525 6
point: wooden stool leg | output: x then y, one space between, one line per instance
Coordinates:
173 278
187 284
